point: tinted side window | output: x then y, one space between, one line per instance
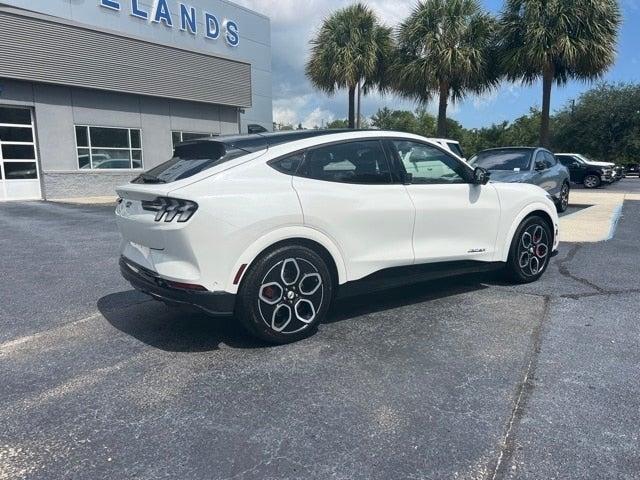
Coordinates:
540 158
550 159
352 162
568 161
456 148
427 164
288 164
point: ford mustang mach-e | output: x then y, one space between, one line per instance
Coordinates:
272 227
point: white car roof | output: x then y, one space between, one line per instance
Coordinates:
283 148
434 139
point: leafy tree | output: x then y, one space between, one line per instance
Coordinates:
524 130
344 123
426 123
383 119
476 140
350 48
400 120
455 130
604 123
557 40
445 48
421 122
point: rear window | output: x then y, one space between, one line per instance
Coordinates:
507 159
188 160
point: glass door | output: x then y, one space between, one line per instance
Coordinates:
19 178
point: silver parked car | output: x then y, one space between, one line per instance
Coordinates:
537 166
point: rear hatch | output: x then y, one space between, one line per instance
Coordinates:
192 162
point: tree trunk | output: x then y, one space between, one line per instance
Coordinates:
352 96
358 109
547 83
442 110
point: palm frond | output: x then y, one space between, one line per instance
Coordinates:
350 47
445 41
577 38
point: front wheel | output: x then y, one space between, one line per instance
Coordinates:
285 295
563 201
592 181
530 250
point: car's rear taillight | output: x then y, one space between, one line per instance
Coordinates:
170 208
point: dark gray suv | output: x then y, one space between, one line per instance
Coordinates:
537 166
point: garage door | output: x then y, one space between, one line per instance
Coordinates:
18 155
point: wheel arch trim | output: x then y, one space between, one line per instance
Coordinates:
281 235
524 213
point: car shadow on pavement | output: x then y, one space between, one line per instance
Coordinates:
182 329
174 329
351 307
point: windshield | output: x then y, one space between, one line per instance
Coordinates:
189 159
507 159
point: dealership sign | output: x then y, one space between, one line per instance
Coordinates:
186 20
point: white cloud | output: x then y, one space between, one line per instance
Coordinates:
481 102
318 118
284 116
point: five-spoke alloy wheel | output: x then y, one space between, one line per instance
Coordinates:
285 294
530 250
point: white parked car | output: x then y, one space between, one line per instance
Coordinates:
274 226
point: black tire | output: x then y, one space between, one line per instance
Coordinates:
592 181
530 250
304 301
563 202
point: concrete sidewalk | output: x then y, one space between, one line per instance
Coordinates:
105 200
597 222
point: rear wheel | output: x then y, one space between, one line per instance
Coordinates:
530 250
592 181
563 201
285 294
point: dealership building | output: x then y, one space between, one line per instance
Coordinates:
94 91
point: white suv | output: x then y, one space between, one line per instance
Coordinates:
274 226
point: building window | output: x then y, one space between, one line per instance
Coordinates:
102 148
17 145
179 136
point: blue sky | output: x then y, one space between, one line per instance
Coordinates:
293 23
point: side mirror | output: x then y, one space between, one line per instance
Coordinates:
540 166
480 176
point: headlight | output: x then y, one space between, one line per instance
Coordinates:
170 208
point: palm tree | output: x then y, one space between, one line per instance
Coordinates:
445 48
557 40
350 49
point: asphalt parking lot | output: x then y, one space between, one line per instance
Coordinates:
468 378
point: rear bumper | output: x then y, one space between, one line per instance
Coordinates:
149 282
